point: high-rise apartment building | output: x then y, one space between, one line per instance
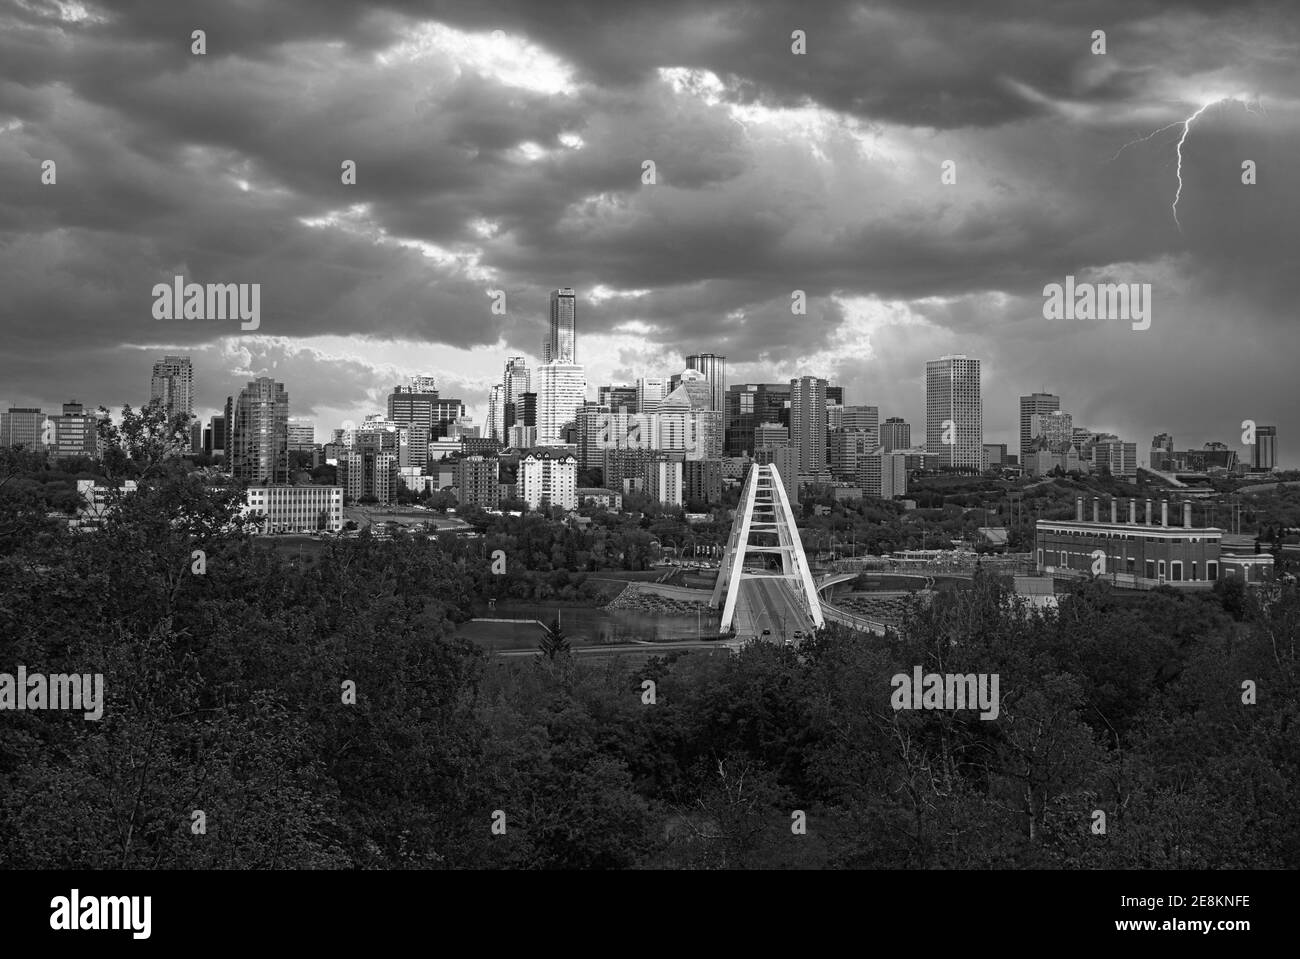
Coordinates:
477 481
663 481
786 461
218 432
883 473
368 473
714 368
260 434
561 391
302 436
172 384
845 448
895 434
702 481
771 434
560 345
1114 455
549 476
1030 406
954 412
808 423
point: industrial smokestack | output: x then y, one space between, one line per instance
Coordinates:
1164 512
1078 509
1148 511
1114 508
1133 510
1096 510
1187 514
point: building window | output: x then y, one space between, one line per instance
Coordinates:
1193 571
1162 569
1212 570
1151 569
1176 570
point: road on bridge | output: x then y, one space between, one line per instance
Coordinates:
770 602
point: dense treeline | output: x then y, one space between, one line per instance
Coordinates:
225 694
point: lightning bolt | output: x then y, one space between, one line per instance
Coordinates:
1255 108
1187 128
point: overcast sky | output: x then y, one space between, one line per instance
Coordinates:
500 146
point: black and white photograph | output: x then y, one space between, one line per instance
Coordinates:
617 439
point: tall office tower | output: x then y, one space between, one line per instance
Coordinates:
302 436
173 384
229 444
834 416
76 432
834 394
560 345
952 393
1030 406
808 423
598 430
1115 456
196 438
861 418
650 391
422 408
561 391
496 412
747 406
714 368
1263 456
516 383
260 433
895 434
1056 427
687 423
1162 451
23 426
217 427
617 398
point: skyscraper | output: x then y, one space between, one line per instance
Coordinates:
895 434
561 391
1030 406
954 412
517 382
748 405
23 426
1263 456
714 368
260 433
808 423
650 391
496 412
560 344
173 384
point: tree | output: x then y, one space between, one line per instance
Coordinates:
554 642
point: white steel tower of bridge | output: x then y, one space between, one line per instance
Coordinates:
764 517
